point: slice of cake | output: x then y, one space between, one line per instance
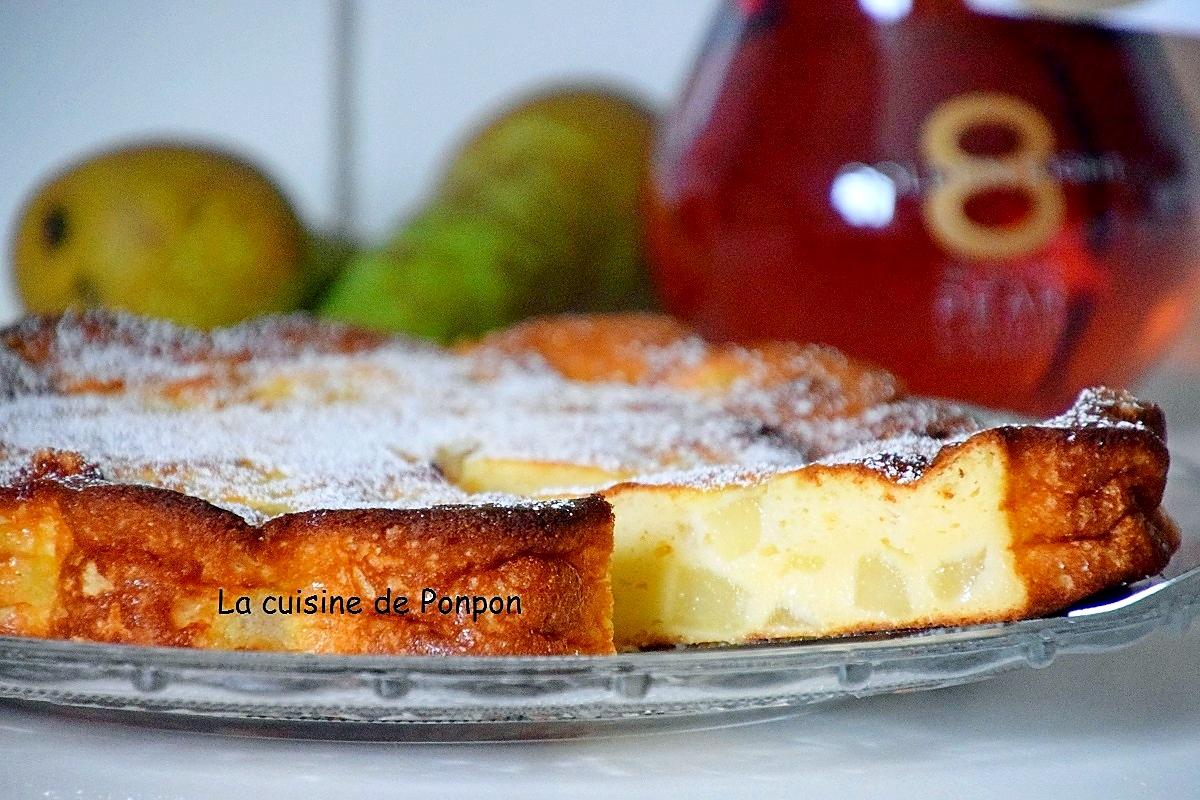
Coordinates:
906 514
166 487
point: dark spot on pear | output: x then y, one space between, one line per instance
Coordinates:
87 291
54 227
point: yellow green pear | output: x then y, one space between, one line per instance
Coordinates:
184 233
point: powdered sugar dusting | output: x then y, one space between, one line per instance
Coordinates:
287 415
1101 407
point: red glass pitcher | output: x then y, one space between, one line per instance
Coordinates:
1001 210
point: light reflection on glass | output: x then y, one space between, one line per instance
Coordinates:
887 10
863 196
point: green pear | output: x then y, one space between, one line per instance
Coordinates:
537 213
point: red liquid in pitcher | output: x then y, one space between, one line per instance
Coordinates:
999 210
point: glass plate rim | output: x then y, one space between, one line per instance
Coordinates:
493 698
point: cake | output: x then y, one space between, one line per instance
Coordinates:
745 493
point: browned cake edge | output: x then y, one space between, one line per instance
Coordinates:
141 565
1084 507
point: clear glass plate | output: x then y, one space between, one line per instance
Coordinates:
425 698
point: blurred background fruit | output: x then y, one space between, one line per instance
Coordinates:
537 212
185 233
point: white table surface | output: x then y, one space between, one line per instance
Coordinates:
1115 725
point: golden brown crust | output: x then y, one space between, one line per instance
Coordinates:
1084 509
143 565
637 349
588 347
820 399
